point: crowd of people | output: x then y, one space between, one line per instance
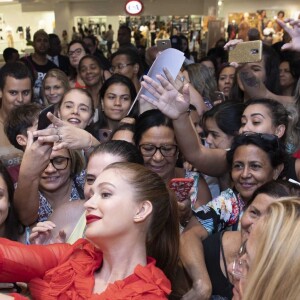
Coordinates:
86 208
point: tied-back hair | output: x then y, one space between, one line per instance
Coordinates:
278 113
227 116
162 241
127 151
274 273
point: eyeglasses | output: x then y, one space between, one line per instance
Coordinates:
270 138
240 266
77 51
149 150
119 67
60 162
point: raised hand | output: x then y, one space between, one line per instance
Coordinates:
167 99
65 135
293 31
42 234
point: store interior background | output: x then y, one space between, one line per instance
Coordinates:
56 16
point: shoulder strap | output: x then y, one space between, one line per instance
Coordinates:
223 255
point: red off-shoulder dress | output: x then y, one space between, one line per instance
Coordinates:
63 272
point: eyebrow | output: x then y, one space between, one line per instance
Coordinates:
254 115
105 183
114 94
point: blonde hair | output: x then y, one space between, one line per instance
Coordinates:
274 274
59 75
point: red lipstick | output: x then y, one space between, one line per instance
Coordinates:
92 218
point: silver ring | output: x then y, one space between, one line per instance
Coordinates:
59 138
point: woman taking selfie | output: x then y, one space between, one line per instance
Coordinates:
100 267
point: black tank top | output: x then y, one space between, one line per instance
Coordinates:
212 248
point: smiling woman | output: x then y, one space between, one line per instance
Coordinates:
99 266
76 108
55 85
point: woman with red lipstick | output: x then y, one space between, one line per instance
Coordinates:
118 260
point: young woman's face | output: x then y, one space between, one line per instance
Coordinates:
257 118
53 90
97 163
226 80
159 136
116 102
215 137
4 201
90 72
258 69
254 212
76 109
251 168
285 76
76 52
58 172
113 198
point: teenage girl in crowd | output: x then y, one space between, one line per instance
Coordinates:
116 96
55 85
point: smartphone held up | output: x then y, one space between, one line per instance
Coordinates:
246 52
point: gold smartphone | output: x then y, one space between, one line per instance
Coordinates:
246 52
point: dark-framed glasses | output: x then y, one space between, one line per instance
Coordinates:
77 51
60 162
119 67
149 150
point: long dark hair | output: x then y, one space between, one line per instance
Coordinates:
13 228
114 79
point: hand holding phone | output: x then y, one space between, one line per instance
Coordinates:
181 187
